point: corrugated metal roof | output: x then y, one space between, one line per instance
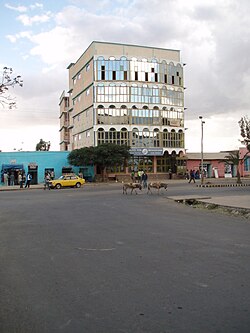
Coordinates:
207 156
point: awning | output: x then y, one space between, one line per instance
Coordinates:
12 166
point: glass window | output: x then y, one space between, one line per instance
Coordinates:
141 163
247 164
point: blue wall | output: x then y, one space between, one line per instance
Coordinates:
43 159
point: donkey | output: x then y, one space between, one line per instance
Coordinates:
132 186
158 186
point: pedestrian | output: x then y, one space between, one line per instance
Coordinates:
52 175
133 176
28 180
197 174
24 178
140 173
12 179
20 179
170 173
5 178
144 179
192 176
47 178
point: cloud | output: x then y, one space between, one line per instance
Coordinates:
23 34
214 39
20 9
30 20
23 9
36 5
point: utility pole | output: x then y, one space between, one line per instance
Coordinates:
202 157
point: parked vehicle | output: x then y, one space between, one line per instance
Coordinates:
70 180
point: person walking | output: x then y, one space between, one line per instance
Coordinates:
28 180
192 176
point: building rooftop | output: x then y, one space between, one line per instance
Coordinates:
207 156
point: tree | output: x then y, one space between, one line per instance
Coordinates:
245 131
43 145
104 156
233 158
7 82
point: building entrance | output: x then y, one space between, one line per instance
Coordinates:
33 169
12 171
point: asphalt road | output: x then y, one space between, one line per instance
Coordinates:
93 260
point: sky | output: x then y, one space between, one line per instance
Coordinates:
40 39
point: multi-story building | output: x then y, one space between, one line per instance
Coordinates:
64 121
127 94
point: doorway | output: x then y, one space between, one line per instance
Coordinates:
33 171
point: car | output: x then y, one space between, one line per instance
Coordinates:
71 180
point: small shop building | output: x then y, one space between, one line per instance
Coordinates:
38 163
214 165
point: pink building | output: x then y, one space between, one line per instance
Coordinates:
245 165
211 165
214 168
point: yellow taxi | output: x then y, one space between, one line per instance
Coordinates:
70 180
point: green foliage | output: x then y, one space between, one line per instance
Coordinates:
7 81
105 155
43 145
82 156
245 131
233 158
109 154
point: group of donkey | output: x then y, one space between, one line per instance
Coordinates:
135 186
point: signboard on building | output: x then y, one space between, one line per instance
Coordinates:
146 151
32 165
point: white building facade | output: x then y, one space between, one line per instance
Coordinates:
128 95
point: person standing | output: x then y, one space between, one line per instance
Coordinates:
28 180
20 179
47 178
12 179
145 179
140 173
24 178
133 176
5 178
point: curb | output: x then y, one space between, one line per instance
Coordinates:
222 185
236 211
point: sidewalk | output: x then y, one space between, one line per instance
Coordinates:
17 187
237 202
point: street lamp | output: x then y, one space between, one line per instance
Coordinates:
202 171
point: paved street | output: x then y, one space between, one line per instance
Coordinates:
94 260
